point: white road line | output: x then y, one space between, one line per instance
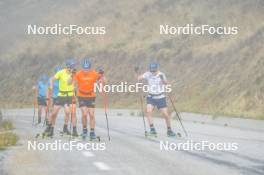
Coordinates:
102 166
88 154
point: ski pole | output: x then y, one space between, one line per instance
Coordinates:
143 115
71 130
72 111
141 103
46 112
178 115
73 100
106 116
34 102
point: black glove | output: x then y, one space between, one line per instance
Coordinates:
100 70
73 71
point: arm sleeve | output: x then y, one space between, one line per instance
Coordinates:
164 76
97 75
57 75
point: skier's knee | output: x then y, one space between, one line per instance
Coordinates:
84 115
91 116
166 116
149 113
67 111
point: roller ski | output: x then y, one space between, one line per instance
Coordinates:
174 135
65 131
74 133
93 137
84 135
179 135
152 133
48 133
170 133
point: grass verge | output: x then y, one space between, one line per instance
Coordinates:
7 137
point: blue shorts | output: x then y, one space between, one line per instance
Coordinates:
86 102
54 100
160 103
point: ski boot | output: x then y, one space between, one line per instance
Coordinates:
153 132
39 120
46 121
85 133
48 133
92 135
170 133
47 130
74 132
65 130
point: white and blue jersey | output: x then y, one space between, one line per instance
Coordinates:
155 84
156 89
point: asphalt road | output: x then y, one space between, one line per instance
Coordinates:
129 152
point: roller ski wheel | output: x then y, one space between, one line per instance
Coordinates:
83 136
179 135
97 138
151 135
62 134
37 135
74 133
46 135
74 136
43 135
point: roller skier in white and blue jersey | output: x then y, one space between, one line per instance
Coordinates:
156 97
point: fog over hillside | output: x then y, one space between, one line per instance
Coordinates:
213 74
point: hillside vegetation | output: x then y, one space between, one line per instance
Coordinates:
220 75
